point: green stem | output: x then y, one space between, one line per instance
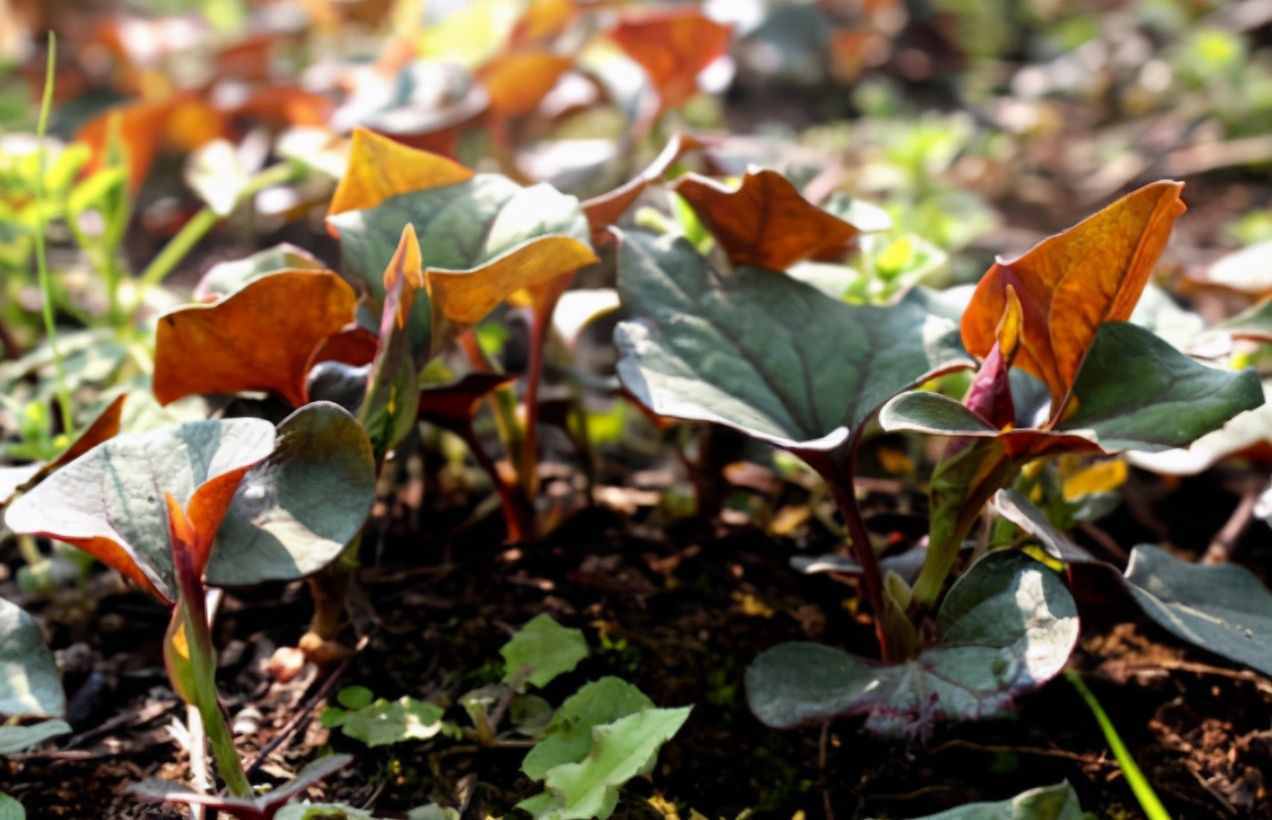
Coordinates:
1135 778
41 255
203 673
202 222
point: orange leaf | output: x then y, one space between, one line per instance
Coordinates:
542 20
604 210
1071 283
260 338
141 126
673 45
381 168
765 222
402 277
518 81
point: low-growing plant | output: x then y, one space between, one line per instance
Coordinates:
776 359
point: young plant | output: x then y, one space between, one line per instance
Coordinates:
778 360
230 502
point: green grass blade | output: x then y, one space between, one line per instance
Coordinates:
1139 784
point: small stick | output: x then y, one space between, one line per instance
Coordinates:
1225 541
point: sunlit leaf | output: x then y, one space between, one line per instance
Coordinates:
741 350
673 44
1058 802
568 738
295 512
30 684
1242 433
1006 627
109 502
386 722
765 222
620 751
381 168
1071 283
519 80
262 337
1134 392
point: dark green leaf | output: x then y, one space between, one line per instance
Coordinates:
30 684
1058 802
20 738
760 352
1006 626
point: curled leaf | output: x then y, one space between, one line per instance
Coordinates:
1071 283
262 337
765 221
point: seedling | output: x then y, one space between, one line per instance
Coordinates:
776 359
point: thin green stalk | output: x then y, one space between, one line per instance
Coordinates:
205 220
1139 784
41 255
203 672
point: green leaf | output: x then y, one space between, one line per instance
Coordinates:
355 697
432 812
485 222
110 501
1242 431
11 809
225 278
1224 609
30 684
620 751
544 649
1058 802
295 511
1006 626
1255 322
1134 392
384 722
569 735
763 353
19 738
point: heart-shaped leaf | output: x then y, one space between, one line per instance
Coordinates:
741 349
673 45
1223 608
1134 392
110 501
105 426
20 738
384 722
262 337
1058 802
1006 626
765 222
1073 282
295 511
30 684
225 278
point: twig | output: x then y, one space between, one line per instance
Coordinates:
996 748
303 714
1225 541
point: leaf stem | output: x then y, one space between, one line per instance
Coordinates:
41 254
198 226
1135 778
203 672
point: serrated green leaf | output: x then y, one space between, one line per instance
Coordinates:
1005 627
620 751
543 647
1058 802
763 353
30 684
19 738
384 722
569 736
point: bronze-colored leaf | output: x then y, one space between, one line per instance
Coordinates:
381 168
261 338
765 222
673 45
604 210
1073 282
